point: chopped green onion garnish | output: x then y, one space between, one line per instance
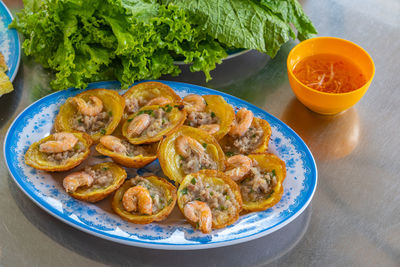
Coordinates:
193 181
146 111
184 191
167 108
229 154
270 193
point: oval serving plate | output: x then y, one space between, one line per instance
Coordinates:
45 189
10 45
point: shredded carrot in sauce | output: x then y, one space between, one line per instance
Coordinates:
329 73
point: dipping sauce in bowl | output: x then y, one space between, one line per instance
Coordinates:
329 75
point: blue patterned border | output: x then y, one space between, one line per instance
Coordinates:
13 46
285 141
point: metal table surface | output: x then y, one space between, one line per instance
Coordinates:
354 218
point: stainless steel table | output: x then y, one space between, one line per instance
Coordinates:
354 218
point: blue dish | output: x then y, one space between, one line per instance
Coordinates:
45 189
10 45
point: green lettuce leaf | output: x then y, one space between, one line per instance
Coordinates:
85 41
291 12
251 24
239 23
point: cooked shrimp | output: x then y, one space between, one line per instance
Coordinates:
210 128
199 212
91 108
113 143
139 124
62 142
194 103
241 166
242 123
161 101
77 179
184 144
138 198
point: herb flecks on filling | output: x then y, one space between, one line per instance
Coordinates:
103 177
196 162
246 143
258 185
158 121
219 197
91 124
62 157
198 118
136 150
156 193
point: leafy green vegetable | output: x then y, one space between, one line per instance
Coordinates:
85 41
130 40
291 11
251 24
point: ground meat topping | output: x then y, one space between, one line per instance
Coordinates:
103 177
195 162
159 121
131 105
259 185
136 150
156 192
219 197
245 144
91 124
196 119
62 157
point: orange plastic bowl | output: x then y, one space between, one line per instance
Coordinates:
329 103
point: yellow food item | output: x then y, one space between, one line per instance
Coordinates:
165 199
3 65
269 164
170 159
5 84
222 195
138 161
41 161
219 108
92 194
174 118
260 147
139 95
113 104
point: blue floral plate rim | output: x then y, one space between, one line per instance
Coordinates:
14 42
304 199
